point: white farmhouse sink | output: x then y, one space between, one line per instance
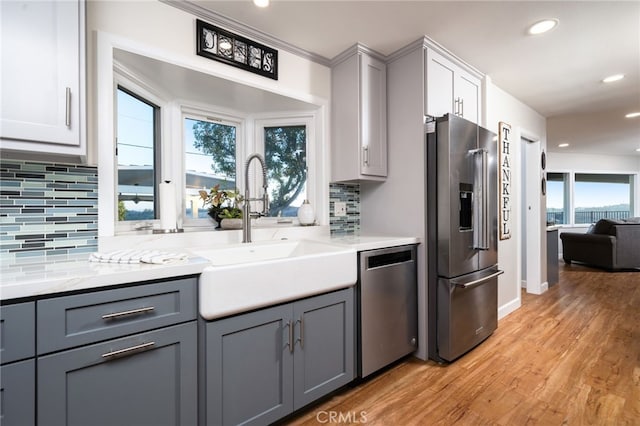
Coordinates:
247 276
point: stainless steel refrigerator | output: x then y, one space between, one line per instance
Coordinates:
462 240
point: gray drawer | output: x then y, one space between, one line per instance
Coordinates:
81 319
18 331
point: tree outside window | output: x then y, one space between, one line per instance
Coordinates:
286 158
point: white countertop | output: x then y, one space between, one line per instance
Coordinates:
37 276
372 242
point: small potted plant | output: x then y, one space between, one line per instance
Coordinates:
223 206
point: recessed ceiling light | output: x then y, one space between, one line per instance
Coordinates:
261 3
638 149
542 26
563 145
613 78
633 115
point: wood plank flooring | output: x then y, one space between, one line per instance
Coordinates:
568 357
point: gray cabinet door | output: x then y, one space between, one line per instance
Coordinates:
249 368
18 331
145 379
324 345
18 394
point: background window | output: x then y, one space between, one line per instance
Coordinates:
285 152
137 139
558 198
210 159
602 196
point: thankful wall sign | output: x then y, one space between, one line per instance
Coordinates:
505 183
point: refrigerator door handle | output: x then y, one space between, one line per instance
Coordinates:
481 189
476 282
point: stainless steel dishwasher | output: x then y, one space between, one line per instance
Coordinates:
387 306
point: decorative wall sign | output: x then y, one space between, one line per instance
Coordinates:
505 183
223 46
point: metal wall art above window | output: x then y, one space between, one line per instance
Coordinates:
220 45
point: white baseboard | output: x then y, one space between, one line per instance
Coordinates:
507 308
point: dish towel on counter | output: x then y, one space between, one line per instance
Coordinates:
137 256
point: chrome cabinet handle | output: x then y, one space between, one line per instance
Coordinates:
301 339
127 313
290 342
461 107
127 350
456 109
366 155
67 114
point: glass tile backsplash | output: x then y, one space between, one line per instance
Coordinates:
350 194
47 209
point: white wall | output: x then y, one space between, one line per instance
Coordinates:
167 34
166 31
525 122
561 161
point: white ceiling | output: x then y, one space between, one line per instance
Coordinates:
557 74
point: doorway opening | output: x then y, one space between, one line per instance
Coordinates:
531 276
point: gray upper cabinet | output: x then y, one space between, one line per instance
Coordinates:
43 76
451 88
359 116
263 365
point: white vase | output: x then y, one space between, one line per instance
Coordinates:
231 223
306 215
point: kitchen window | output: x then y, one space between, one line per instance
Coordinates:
287 145
211 157
137 154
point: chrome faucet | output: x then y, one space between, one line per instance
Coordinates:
247 214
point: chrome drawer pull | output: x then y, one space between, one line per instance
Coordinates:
131 312
126 350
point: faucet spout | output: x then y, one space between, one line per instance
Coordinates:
247 214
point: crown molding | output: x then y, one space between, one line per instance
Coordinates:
247 31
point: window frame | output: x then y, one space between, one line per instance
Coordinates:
213 115
283 120
634 205
137 88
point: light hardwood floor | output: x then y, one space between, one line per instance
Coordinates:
570 356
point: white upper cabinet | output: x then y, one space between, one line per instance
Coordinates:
43 77
359 116
450 88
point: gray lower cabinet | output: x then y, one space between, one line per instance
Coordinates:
263 365
121 356
18 394
145 379
17 374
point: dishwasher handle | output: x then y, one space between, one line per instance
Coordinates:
382 258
